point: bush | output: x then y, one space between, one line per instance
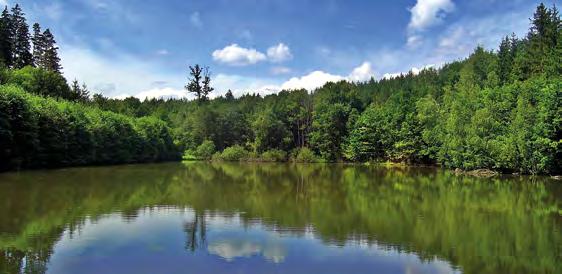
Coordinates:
232 154
274 155
305 155
204 151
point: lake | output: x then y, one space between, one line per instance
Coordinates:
276 218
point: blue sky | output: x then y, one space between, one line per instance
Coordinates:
142 48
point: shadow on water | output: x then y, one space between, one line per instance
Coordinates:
499 225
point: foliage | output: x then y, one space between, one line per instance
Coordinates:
203 152
43 132
41 82
495 109
232 154
304 155
274 155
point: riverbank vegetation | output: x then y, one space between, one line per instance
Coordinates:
497 109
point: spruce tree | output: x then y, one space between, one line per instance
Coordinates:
505 60
51 60
38 46
6 38
20 44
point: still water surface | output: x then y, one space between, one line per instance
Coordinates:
276 218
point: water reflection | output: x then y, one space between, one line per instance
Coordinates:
269 218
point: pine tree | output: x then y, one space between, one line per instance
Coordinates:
505 60
38 46
543 38
79 93
51 60
6 38
21 47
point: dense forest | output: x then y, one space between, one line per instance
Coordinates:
498 109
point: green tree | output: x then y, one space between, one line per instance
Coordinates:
38 46
51 60
21 47
6 38
199 82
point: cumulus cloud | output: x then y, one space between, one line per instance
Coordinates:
424 14
362 73
238 56
311 81
413 70
279 53
162 93
427 13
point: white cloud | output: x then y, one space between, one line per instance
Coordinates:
413 70
280 70
427 13
114 76
279 53
414 41
241 85
311 81
362 73
4 2
165 93
238 56
195 20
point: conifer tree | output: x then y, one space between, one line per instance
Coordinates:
505 60
21 47
6 38
51 60
38 47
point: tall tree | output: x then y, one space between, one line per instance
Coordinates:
207 89
6 37
38 46
199 82
505 59
194 85
21 47
51 60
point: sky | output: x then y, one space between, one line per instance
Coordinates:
123 48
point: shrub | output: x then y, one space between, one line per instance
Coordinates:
274 155
205 151
233 153
305 155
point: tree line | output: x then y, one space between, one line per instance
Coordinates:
497 109
18 48
43 120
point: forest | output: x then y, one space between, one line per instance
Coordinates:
497 109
